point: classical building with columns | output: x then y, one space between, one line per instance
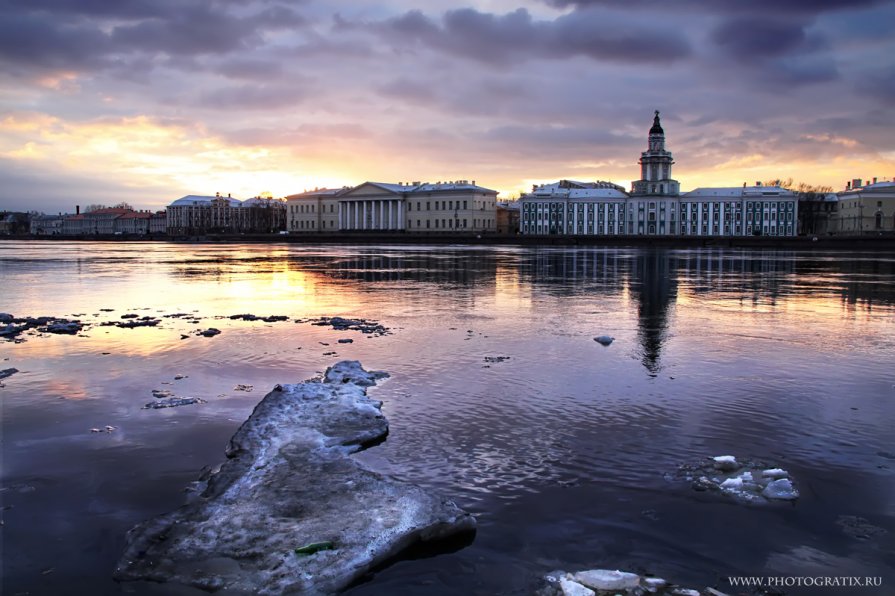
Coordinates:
418 207
655 205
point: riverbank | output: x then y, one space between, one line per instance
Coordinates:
865 242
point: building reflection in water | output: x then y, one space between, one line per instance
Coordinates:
653 285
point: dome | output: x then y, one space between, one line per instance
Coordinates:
657 127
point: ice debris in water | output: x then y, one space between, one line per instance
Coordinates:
726 463
604 340
780 489
615 582
744 480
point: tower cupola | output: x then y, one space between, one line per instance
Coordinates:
655 165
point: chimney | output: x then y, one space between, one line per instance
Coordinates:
856 183
874 179
77 209
228 195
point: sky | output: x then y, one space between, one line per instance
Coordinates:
145 101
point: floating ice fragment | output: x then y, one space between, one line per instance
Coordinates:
605 579
573 588
775 473
604 340
726 463
780 489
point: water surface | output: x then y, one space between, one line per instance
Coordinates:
562 449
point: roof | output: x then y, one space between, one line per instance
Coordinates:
136 215
255 201
189 200
584 190
429 187
657 126
737 192
318 192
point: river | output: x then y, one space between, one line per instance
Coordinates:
499 398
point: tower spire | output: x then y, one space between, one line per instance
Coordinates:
655 165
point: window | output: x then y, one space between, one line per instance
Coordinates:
427 223
427 207
464 206
436 223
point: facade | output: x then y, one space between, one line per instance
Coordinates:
46 225
158 223
134 222
866 209
655 206
418 207
818 213
507 216
195 214
313 211
98 222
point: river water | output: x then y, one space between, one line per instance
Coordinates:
563 450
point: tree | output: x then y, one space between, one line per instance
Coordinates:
123 205
93 207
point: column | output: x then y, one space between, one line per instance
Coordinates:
356 206
400 225
391 215
340 215
363 224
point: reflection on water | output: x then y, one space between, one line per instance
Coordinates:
560 449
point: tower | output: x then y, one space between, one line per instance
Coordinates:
655 166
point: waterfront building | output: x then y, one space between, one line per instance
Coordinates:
133 222
97 222
507 217
158 223
418 207
655 205
46 225
818 213
195 214
866 208
313 211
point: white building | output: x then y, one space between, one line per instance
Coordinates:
655 207
46 225
195 214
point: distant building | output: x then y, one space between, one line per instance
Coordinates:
14 223
313 211
418 207
194 214
818 213
866 208
46 225
158 223
507 217
133 223
95 223
655 206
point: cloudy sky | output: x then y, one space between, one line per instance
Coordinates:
145 101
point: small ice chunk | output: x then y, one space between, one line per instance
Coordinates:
654 583
782 489
726 463
775 473
604 340
685 592
747 478
573 588
732 484
605 579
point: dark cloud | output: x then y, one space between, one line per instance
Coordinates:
881 86
751 37
92 34
247 68
30 42
762 7
516 36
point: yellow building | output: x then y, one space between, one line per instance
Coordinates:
866 209
418 207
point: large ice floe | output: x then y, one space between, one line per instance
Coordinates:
744 480
291 511
614 582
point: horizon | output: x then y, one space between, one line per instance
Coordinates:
147 102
